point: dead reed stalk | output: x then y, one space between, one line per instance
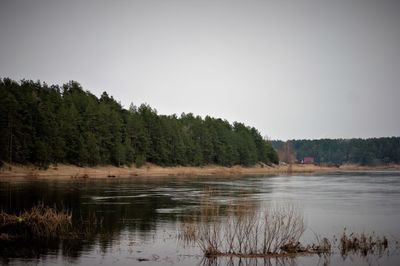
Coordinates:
243 231
39 221
362 244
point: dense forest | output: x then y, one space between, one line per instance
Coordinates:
339 151
44 125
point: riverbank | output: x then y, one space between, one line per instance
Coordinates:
62 171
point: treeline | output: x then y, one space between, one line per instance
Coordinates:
43 124
339 151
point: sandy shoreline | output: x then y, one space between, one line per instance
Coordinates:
62 171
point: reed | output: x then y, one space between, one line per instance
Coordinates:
39 221
362 244
43 222
243 231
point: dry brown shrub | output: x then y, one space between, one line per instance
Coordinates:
244 231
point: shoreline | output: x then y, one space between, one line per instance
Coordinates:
63 171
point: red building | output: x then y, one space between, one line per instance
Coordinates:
308 160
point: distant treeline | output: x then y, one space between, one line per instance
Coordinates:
43 124
339 151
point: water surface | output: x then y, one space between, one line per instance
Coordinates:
141 216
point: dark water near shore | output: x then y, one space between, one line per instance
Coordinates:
141 216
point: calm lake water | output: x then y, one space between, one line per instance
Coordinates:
141 217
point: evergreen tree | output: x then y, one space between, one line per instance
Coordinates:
44 124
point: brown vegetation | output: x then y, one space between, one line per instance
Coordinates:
43 222
40 221
150 170
242 231
362 244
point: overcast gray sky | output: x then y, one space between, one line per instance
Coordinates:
292 69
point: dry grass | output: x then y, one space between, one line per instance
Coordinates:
322 245
40 221
188 232
362 244
244 232
62 171
47 223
